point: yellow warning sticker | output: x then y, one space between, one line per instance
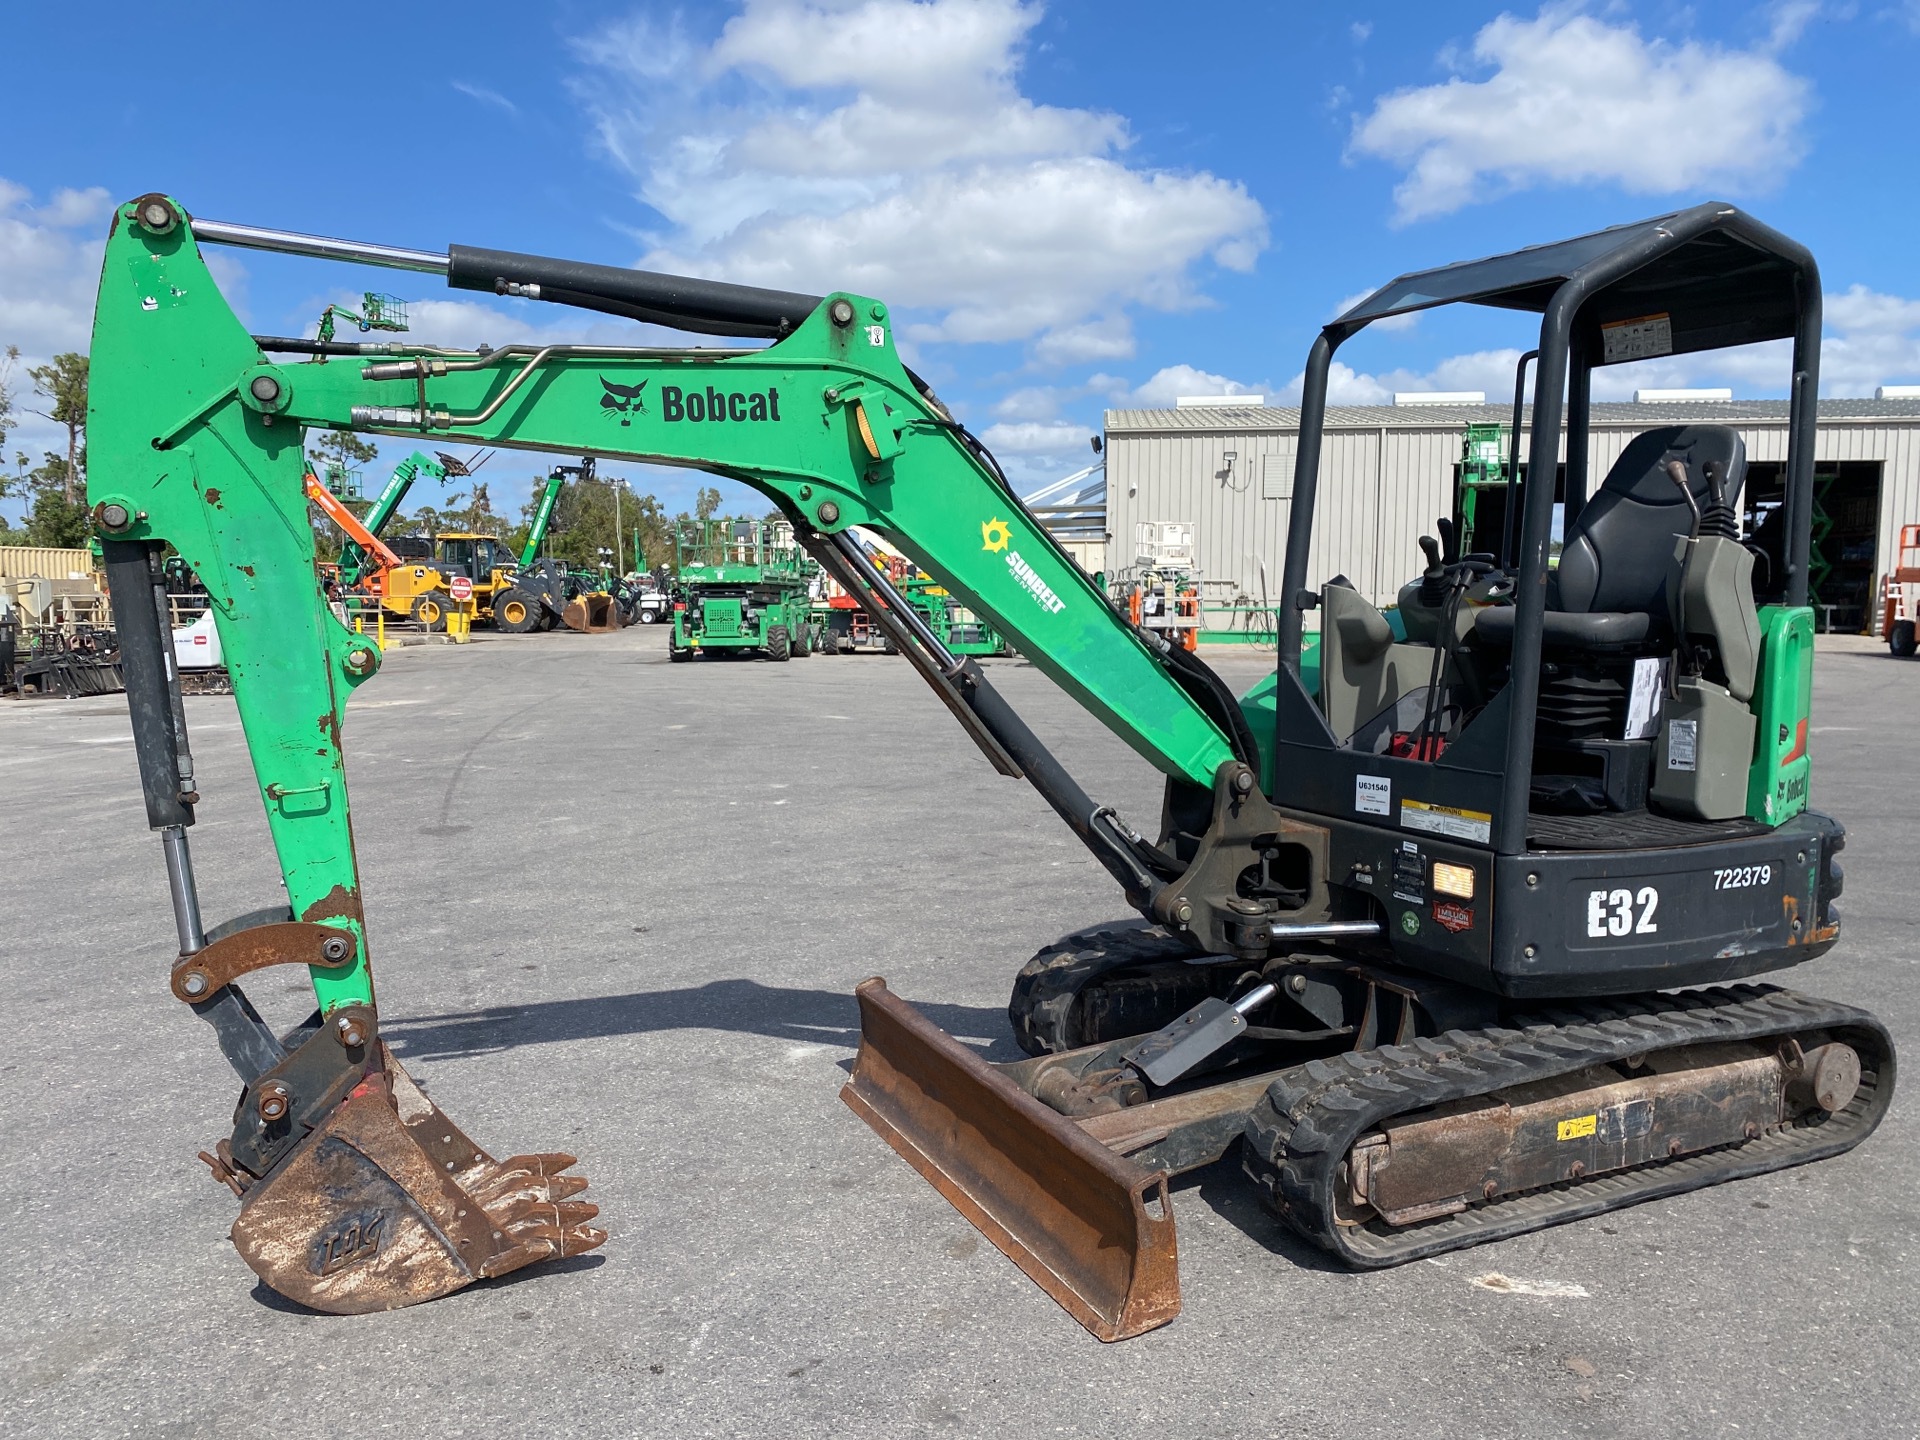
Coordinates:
1578 1128
1446 820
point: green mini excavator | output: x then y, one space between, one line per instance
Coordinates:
1449 938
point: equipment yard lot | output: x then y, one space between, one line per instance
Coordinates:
621 907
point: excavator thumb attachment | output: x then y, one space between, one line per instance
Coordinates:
386 1203
1091 1228
592 614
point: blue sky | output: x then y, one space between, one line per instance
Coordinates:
1069 205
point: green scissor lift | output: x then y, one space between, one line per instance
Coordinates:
960 629
743 587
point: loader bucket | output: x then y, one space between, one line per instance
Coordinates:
1091 1228
387 1204
592 614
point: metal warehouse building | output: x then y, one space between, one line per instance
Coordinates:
1388 472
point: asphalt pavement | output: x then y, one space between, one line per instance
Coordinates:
618 907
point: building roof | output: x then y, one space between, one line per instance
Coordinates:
1241 420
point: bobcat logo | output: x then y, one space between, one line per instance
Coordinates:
623 400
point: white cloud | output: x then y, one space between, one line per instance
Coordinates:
884 146
1036 437
1035 402
485 96
1871 339
1392 324
1168 384
1572 100
1108 337
49 270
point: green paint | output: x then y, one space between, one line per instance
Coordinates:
213 465
1783 706
168 356
1259 705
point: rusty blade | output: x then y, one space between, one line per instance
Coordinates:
1092 1229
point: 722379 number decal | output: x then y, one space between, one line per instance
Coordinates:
1743 877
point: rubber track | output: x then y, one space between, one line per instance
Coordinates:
1042 1009
1300 1133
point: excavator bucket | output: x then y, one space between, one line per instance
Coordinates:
1090 1227
387 1203
592 614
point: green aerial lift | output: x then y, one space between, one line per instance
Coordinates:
440 465
1415 921
742 586
1484 471
377 312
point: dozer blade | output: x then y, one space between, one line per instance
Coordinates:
1091 1228
591 614
387 1204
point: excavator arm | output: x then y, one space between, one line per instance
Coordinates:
196 429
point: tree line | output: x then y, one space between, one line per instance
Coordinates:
586 520
56 489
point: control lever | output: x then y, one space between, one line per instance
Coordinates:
1433 580
1449 538
1689 661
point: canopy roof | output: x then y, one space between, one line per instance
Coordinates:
1714 275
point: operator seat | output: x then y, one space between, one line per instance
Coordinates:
1619 563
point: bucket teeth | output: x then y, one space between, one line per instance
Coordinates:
508 1183
387 1203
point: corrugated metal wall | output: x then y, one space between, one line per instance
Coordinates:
1381 488
21 562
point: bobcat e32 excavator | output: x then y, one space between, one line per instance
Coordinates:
1415 914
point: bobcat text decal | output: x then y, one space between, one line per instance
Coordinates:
715 404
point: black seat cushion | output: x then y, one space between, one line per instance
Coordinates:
1594 630
1611 587
1618 554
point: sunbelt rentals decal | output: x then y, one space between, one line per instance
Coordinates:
997 536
